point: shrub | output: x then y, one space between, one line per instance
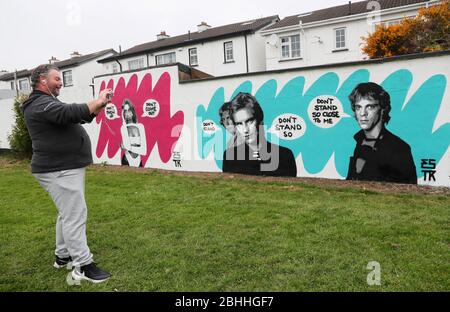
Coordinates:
428 31
19 139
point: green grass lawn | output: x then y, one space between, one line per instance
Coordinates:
158 231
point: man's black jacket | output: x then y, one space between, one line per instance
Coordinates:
390 160
59 141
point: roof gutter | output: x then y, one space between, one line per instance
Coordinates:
120 64
246 52
346 18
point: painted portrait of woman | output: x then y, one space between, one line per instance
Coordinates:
133 136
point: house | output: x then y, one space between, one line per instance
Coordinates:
231 49
3 84
76 72
332 35
19 80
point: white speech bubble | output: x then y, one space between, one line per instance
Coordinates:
151 109
326 111
209 127
288 126
111 111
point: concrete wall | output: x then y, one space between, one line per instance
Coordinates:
181 128
7 94
5 85
256 52
7 120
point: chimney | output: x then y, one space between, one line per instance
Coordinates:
203 26
75 54
162 35
53 60
349 8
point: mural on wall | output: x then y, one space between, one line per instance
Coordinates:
138 118
379 155
332 120
369 123
249 151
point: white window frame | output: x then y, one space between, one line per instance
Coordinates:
228 53
166 58
27 84
291 46
115 68
66 81
335 32
136 64
193 57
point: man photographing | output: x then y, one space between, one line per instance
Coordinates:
61 152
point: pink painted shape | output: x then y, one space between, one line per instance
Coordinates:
158 130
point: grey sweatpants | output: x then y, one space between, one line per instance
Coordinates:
66 188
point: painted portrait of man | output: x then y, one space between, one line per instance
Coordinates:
379 155
250 152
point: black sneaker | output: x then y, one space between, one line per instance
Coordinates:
63 262
90 273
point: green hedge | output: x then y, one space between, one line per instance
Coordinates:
19 139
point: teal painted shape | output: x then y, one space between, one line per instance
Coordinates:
206 143
245 87
414 122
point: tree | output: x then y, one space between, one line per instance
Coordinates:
428 31
19 139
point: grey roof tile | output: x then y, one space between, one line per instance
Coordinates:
194 37
339 11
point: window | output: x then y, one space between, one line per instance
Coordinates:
390 22
339 35
290 47
12 85
67 78
228 51
167 58
24 85
136 64
115 68
193 59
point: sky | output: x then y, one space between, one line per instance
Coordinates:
31 31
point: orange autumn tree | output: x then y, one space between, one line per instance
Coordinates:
428 31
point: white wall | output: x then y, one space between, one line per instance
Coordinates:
7 93
6 120
5 85
211 56
80 91
256 52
